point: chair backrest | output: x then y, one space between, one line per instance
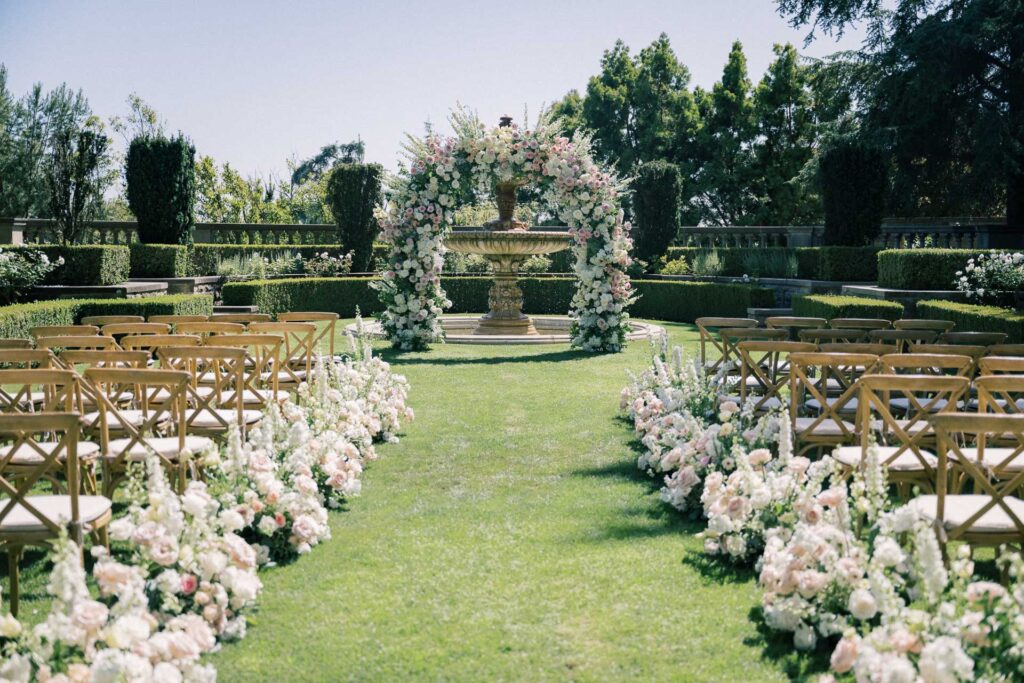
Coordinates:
901 339
999 480
220 370
261 354
244 318
151 342
1001 365
297 351
23 431
63 331
119 329
101 320
830 379
765 370
863 347
926 364
74 359
26 358
974 352
794 322
923 396
174 319
822 335
860 323
15 344
730 337
1006 350
707 327
939 326
38 391
973 338
204 329
325 333
98 341
1000 394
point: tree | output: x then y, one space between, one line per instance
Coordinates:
160 184
853 186
569 110
75 178
945 93
353 191
657 189
327 158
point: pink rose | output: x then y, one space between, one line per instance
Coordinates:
904 641
759 457
189 583
112 577
89 615
984 590
832 497
845 654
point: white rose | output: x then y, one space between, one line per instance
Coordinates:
862 604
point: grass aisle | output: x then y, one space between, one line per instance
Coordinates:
508 536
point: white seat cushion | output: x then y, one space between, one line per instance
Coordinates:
907 461
959 509
849 406
203 419
56 508
165 446
131 416
902 404
993 457
826 427
258 397
162 395
26 455
284 376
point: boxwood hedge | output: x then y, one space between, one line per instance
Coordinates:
660 300
16 320
87 264
830 306
921 268
976 318
160 260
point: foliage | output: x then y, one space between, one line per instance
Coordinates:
16 320
677 266
20 271
160 177
353 193
707 264
203 258
656 198
921 268
989 278
687 301
853 182
255 265
837 264
830 306
538 263
75 178
326 265
159 260
976 318
88 264
329 156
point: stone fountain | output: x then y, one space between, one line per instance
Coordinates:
506 243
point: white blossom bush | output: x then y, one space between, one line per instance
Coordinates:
446 172
989 276
21 270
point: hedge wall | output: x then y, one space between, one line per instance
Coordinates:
660 300
160 260
921 268
975 318
845 264
16 320
87 264
830 306
203 258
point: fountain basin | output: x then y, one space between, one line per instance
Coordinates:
497 243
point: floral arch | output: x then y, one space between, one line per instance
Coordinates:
445 173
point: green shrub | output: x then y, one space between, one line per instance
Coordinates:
853 187
16 320
708 263
830 306
353 191
204 258
661 300
675 267
159 260
656 195
161 184
92 264
840 264
975 318
921 268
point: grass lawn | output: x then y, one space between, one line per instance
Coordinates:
509 536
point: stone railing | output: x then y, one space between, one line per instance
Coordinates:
752 236
41 231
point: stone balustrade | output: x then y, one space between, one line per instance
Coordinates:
20 231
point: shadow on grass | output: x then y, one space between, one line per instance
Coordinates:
777 647
716 570
399 358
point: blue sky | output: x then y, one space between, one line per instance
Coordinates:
255 82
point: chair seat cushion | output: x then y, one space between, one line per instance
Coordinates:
285 376
162 395
826 427
907 461
993 457
902 404
165 446
849 406
26 455
257 397
960 508
131 416
204 419
55 508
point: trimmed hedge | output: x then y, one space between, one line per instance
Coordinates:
922 268
159 260
660 300
88 264
16 320
203 258
830 306
838 264
976 318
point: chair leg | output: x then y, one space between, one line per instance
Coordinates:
13 558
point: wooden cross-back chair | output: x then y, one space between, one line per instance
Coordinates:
80 360
905 437
991 514
975 352
135 329
1016 350
998 365
63 331
28 518
940 326
862 347
707 328
26 358
997 394
823 395
860 324
215 388
792 322
7 343
150 343
294 363
825 335
902 339
96 342
101 320
207 328
973 338
260 382
325 333
244 318
765 370
177 319
128 434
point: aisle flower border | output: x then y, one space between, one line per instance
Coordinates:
445 173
